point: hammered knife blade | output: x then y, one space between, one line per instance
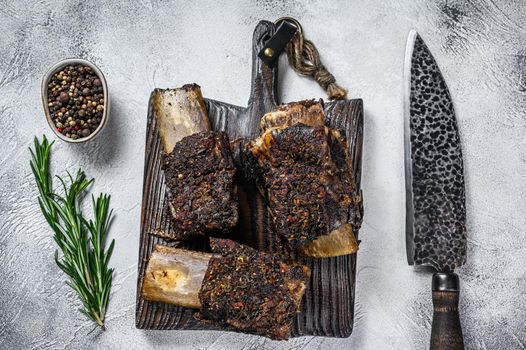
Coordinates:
435 193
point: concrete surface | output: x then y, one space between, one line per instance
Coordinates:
143 44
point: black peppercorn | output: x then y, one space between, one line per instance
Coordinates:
76 101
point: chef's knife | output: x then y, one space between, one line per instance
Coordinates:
435 200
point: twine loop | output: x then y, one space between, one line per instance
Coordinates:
305 59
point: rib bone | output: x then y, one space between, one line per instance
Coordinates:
179 113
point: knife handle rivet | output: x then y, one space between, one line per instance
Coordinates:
268 52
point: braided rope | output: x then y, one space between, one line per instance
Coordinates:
305 59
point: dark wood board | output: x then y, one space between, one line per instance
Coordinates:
328 304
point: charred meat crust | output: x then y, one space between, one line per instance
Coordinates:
251 291
304 170
199 176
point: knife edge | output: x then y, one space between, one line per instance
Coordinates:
409 217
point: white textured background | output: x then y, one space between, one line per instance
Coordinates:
143 44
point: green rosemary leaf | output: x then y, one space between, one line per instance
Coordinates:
107 256
81 241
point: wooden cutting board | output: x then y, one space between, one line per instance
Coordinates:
328 304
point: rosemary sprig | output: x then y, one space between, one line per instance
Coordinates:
81 241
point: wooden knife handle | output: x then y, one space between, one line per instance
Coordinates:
446 332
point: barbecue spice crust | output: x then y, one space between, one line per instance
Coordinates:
251 291
304 170
199 175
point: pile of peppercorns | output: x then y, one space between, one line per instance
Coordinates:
76 101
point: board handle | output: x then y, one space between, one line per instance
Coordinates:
446 331
263 93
